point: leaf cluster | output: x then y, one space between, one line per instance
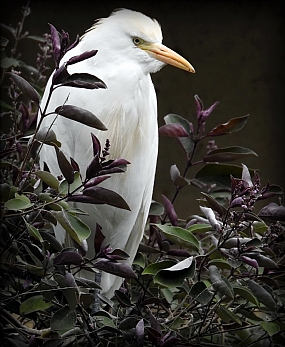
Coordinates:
215 278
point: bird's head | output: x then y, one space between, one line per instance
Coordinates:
134 37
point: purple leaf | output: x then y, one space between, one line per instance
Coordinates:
60 75
173 130
83 80
81 57
56 44
95 181
123 298
84 199
249 261
68 258
234 124
170 210
65 166
106 196
74 165
70 279
94 167
80 115
75 43
116 163
273 212
98 238
177 252
119 269
96 145
25 87
140 332
154 323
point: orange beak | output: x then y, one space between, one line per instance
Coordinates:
167 56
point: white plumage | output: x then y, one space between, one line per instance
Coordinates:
129 49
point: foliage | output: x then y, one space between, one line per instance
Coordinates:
215 278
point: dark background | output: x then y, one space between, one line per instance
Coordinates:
237 49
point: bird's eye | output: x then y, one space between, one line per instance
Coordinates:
137 41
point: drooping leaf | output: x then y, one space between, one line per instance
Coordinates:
48 178
200 293
34 303
261 294
246 294
34 232
180 236
80 115
234 124
20 202
47 136
226 315
270 328
119 269
106 196
63 319
175 275
63 187
25 87
123 299
152 269
219 284
78 230
228 154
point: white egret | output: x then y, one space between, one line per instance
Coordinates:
129 48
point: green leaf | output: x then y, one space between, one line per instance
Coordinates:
19 203
200 228
34 303
259 227
34 232
220 263
47 135
74 226
226 315
219 173
233 125
246 294
48 178
200 293
139 260
220 284
180 236
175 275
228 154
270 328
262 295
63 187
63 319
156 209
153 268
80 115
